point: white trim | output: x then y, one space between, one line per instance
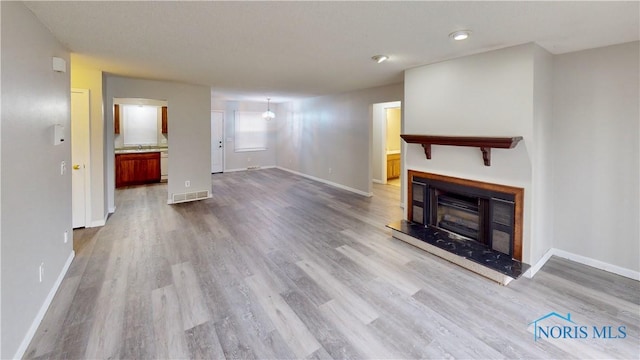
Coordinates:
594 263
628 273
378 181
112 210
257 167
343 187
235 170
98 223
43 309
537 266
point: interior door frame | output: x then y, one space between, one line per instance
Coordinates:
87 158
385 126
222 135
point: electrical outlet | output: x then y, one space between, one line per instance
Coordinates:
66 236
187 183
63 167
41 271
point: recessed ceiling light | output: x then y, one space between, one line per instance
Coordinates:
380 58
460 35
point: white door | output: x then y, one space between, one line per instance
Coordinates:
217 141
80 141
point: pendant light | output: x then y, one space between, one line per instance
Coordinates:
268 114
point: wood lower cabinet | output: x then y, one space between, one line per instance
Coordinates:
135 169
393 166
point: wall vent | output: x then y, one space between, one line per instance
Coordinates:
190 196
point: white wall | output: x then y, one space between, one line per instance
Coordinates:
84 76
242 160
34 98
189 117
332 132
489 94
596 152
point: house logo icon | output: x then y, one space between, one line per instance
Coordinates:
556 326
539 330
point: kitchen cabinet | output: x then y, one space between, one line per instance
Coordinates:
165 120
116 119
137 168
393 166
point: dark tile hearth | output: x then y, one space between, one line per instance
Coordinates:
467 249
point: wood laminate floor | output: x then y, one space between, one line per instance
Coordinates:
276 266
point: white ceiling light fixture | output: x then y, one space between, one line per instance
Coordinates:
380 58
460 35
268 114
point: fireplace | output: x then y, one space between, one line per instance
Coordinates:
477 221
476 213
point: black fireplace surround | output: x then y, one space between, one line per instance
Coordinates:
482 215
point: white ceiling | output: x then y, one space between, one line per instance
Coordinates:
285 50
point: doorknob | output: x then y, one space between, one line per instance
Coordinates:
76 167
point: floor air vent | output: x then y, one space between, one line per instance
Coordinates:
190 196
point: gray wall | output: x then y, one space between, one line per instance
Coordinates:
332 132
596 150
36 199
189 112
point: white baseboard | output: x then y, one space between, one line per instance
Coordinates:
112 210
98 223
43 309
378 181
250 169
628 273
538 265
598 264
343 187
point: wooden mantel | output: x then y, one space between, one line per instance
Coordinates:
484 143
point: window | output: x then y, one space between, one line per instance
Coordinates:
250 131
140 124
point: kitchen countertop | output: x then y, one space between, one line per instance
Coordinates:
135 150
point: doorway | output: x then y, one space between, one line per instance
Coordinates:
217 142
393 146
80 155
386 142
386 147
